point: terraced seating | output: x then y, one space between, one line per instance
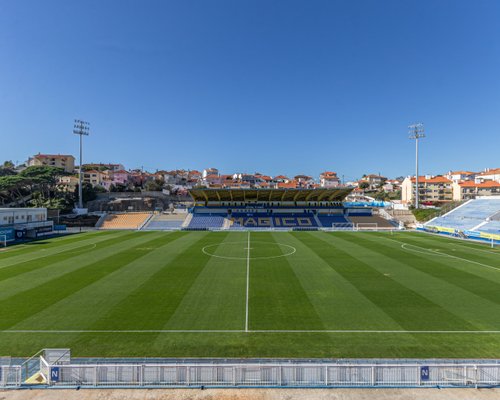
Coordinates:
327 221
491 227
469 215
201 221
374 219
162 222
125 221
266 220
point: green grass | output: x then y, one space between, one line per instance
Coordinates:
310 294
425 214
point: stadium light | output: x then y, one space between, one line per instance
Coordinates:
416 131
81 128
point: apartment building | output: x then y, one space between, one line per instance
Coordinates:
65 161
430 189
468 190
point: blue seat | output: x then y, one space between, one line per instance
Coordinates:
327 221
202 221
468 215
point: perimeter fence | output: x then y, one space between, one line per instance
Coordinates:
10 376
263 374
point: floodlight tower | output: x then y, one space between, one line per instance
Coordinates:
81 128
416 131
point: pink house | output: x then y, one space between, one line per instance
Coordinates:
120 177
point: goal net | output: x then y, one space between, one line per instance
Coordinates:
342 226
367 226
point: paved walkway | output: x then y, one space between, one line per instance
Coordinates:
253 394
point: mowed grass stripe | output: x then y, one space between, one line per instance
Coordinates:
42 253
277 298
337 301
473 308
269 345
152 304
31 279
29 302
216 299
451 249
68 255
46 243
83 308
444 268
479 247
377 279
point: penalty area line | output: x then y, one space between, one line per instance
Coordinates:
441 253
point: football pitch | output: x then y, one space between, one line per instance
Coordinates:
259 294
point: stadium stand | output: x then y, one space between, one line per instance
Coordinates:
297 209
327 221
491 227
374 219
469 216
275 209
267 220
160 222
125 221
207 221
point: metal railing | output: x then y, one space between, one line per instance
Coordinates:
262 374
275 375
10 376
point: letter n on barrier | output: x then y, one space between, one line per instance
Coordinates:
424 373
54 374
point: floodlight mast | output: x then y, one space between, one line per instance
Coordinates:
416 131
81 128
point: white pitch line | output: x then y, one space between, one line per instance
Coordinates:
248 283
121 331
250 331
461 242
364 331
441 254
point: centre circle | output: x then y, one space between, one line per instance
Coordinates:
211 248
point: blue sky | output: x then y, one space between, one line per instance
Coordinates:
249 85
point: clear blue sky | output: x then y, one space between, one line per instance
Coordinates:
245 85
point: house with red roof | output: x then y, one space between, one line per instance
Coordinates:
459 176
329 179
433 189
64 161
488 174
468 190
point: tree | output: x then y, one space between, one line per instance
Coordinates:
43 179
154 186
364 185
7 168
119 187
99 189
88 192
380 195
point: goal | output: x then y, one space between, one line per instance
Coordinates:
342 226
366 226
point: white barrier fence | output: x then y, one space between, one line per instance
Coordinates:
274 375
10 376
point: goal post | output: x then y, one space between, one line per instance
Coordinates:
366 226
342 226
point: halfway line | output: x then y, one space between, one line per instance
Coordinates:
248 283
